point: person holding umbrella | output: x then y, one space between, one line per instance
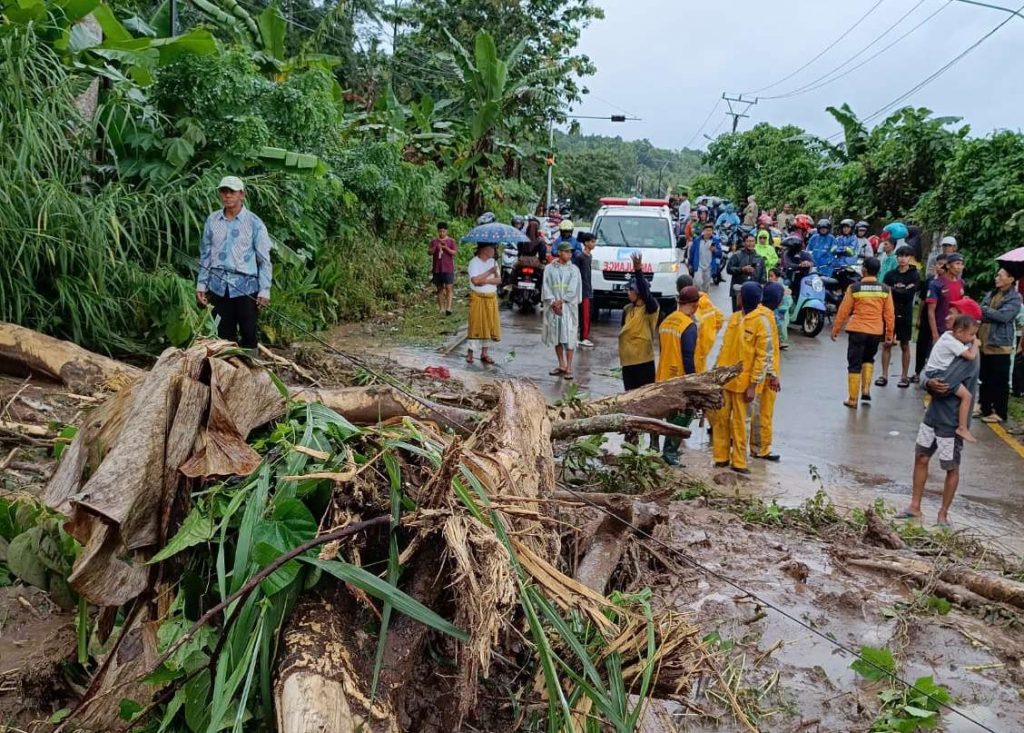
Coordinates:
999 311
484 279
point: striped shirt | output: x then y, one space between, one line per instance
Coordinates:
234 256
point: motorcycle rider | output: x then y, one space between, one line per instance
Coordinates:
704 252
729 215
869 308
820 246
864 248
744 266
844 250
565 234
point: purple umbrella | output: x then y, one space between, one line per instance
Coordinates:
1013 262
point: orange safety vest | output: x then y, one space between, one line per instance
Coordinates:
670 362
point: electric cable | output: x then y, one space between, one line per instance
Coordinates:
934 75
825 50
704 123
824 78
661 543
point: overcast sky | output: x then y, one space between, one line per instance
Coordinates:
667 61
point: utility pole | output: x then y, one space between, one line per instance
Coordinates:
742 113
550 161
174 18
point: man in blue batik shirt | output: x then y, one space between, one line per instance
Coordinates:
234 265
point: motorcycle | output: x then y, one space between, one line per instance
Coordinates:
835 287
809 308
509 257
525 284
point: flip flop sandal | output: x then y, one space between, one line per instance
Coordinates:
469 358
907 514
556 372
903 383
567 376
882 382
915 379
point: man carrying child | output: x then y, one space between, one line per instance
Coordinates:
947 420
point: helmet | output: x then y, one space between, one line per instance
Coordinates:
846 223
564 211
565 225
486 218
897 230
792 242
518 221
823 224
703 208
803 222
804 257
862 225
948 241
764 220
874 242
729 208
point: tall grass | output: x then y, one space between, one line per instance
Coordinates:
91 260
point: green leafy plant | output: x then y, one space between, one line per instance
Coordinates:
903 709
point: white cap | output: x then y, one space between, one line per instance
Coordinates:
232 182
949 241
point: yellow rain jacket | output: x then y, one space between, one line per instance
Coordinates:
670 362
709 322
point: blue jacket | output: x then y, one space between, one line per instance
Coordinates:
844 250
693 260
820 246
733 218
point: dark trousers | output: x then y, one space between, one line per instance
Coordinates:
924 344
994 392
860 350
236 314
1018 375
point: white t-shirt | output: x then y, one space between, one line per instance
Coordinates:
684 211
946 349
478 267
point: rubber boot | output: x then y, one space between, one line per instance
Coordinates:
853 384
671 452
866 373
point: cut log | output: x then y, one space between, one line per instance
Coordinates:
659 400
877 532
24 351
923 581
379 403
615 423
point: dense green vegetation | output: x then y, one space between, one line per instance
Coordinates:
911 166
588 167
111 145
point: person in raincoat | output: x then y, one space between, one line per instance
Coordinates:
729 215
766 249
561 294
820 246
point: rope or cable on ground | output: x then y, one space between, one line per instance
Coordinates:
823 51
646 535
934 75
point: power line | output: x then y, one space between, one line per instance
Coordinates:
814 84
820 54
704 123
935 75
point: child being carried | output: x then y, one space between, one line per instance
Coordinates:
959 342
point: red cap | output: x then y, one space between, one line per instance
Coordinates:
968 306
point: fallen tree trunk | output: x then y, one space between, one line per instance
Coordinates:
616 423
24 351
924 581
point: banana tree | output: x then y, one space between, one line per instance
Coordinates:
494 91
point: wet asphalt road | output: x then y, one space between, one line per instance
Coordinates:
857 456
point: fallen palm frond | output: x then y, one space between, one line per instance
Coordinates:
269 559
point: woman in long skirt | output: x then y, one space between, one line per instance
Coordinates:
484 323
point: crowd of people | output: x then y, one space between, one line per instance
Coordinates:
962 355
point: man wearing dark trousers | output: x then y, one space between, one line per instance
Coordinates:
868 306
234 265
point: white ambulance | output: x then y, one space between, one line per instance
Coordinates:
623 226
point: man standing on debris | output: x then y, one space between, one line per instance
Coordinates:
234 265
745 344
561 293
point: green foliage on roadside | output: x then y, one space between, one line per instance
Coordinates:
903 709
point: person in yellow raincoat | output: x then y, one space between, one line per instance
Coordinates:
709 322
764 405
678 336
745 344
